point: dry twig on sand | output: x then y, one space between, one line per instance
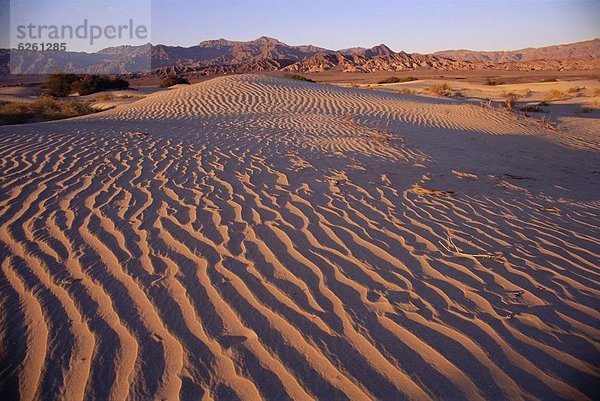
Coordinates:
451 248
419 190
546 123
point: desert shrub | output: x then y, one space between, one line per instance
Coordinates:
531 108
544 103
510 98
596 91
60 85
545 121
406 91
44 108
396 80
14 113
298 77
556 95
493 82
441 90
173 80
586 109
88 84
575 89
53 109
550 79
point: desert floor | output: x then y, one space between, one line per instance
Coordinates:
251 237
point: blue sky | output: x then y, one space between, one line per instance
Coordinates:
414 26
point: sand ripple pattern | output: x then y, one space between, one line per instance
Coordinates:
258 244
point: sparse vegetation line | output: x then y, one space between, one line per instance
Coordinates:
172 80
298 77
396 80
42 109
61 85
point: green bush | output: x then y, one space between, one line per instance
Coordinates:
298 77
173 80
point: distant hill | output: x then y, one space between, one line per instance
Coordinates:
221 51
374 59
588 50
267 54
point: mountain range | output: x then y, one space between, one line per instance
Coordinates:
267 54
588 50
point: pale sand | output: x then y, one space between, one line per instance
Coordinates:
587 94
252 237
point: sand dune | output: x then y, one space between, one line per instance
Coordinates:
253 238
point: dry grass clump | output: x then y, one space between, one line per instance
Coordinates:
556 95
493 82
527 92
545 121
406 91
596 91
510 99
105 97
550 79
440 90
42 109
298 77
14 113
575 89
531 108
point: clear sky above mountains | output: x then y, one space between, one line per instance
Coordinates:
414 26
422 26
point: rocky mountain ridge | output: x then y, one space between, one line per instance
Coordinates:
267 54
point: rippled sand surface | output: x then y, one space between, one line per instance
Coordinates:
256 238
